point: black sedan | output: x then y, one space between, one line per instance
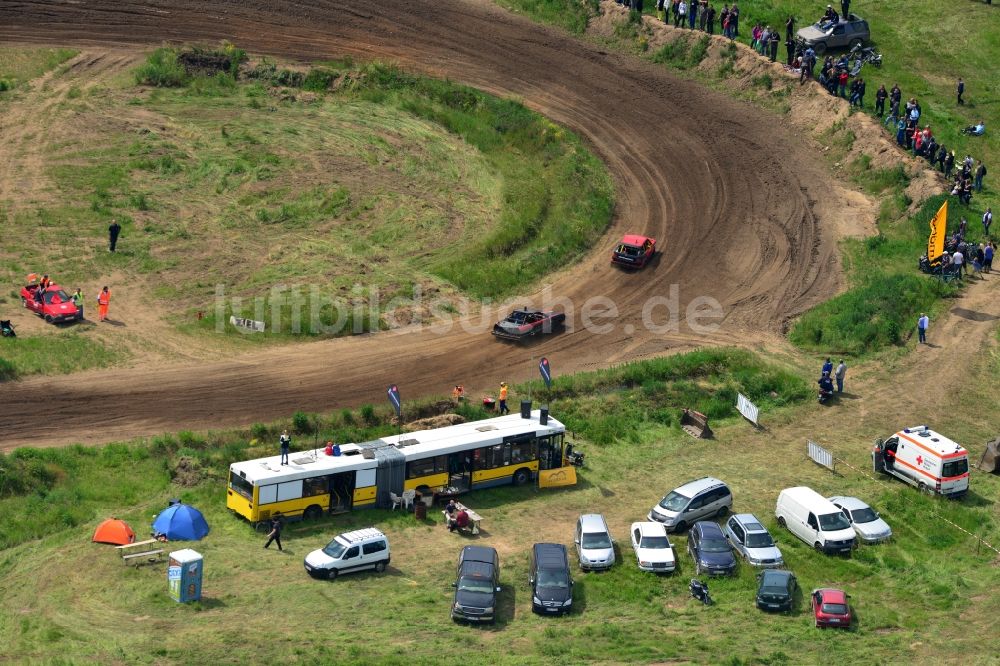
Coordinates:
776 590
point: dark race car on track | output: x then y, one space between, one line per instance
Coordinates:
634 251
521 324
55 305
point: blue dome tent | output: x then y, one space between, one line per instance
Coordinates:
181 522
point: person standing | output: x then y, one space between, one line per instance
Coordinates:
922 325
734 21
958 259
827 366
692 14
987 221
78 301
710 19
275 533
774 45
840 374
980 174
103 301
285 441
880 96
113 232
503 399
790 29
988 257
680 13
960 90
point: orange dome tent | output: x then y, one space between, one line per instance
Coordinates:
114 531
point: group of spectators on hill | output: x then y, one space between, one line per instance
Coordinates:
695 15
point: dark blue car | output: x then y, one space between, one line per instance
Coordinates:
710 550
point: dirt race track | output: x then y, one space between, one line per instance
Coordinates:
730 194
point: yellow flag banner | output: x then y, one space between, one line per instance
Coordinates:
553 478
939 227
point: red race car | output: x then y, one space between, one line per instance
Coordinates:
54 305
831 608
521 324
634 251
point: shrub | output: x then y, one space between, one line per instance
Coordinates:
368 415
162 70
302 423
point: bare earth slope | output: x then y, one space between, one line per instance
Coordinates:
729 193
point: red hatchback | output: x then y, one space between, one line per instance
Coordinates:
634 251
831 608
55 305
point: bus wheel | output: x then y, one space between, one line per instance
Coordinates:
312 512
520 477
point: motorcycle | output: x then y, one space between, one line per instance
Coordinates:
7 329
863 56
574 457
699 591
825 390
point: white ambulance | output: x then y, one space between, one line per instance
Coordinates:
925 459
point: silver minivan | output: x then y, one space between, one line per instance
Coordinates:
594 546
704 498
751 539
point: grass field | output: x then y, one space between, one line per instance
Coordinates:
914 597
19 65
314 183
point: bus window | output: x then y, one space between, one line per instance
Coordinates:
441 464
241 485
289 490
418 468
314 486
267 494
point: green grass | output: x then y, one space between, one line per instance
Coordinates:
18 65
391 184
61 353
573 15
911 595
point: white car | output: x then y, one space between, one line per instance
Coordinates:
866 522
652 547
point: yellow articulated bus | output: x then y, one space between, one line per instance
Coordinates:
508 449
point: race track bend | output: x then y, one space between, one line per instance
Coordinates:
730 194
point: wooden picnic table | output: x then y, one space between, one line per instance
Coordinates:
140 551
474 518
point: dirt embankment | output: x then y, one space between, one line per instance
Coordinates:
811 111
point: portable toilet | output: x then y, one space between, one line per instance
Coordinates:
184 573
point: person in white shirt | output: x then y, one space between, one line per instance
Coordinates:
922 325
958 259
987 221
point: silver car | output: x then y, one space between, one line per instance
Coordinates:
694 501
594 545
750 538
866 522
844 33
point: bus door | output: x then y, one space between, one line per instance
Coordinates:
550 453
460 470
341 491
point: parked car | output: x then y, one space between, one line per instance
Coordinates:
866 522
776 590
477 585
703 498
351 551
831 608
634 251
522 324
594 545
652 547
55 306
551 584
710 550
750 538
847 32
814 519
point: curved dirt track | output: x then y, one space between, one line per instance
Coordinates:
726 190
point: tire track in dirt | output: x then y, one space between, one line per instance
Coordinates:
691 167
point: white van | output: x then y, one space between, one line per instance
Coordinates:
814 519
925 459
348 552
